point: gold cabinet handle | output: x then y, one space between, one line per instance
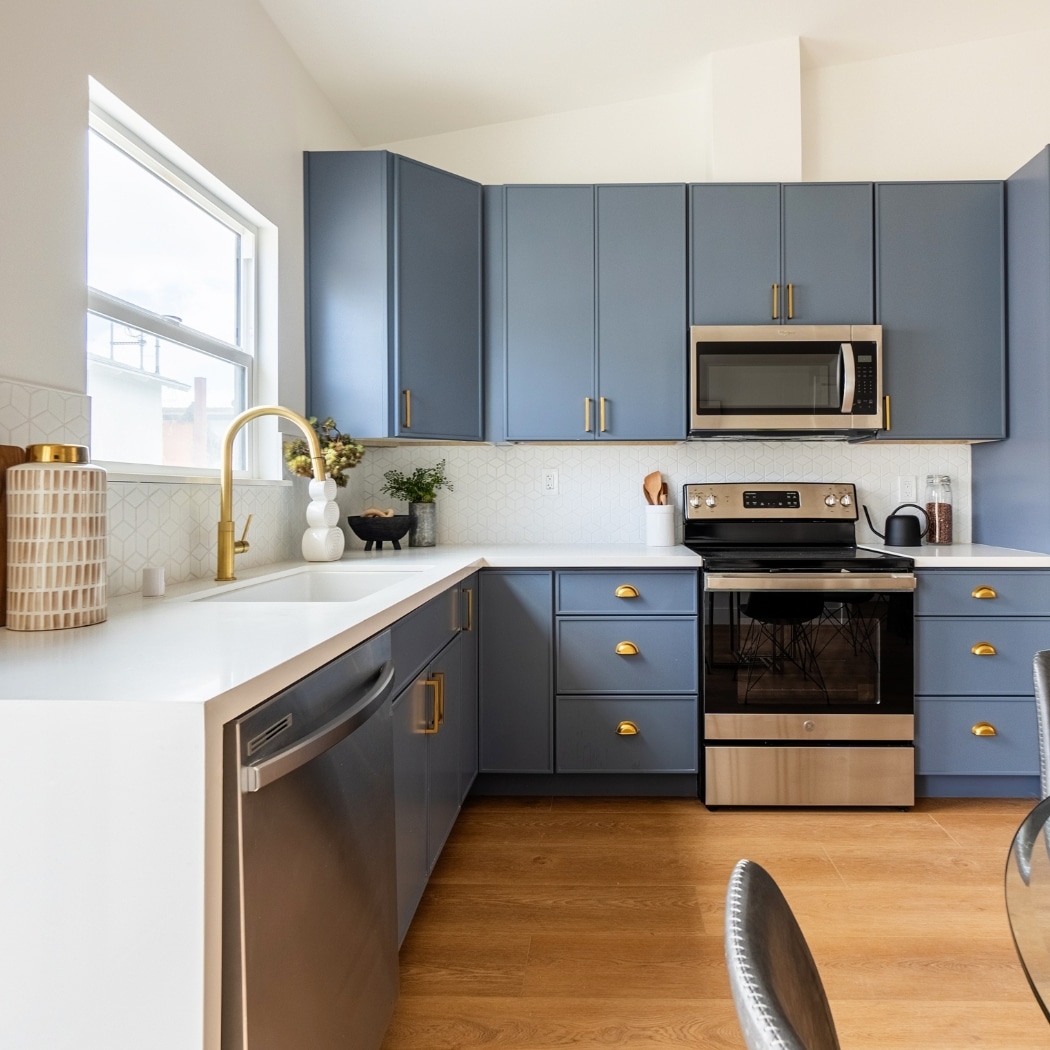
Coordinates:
983 649
776 305
587 414
601 415
983 592
626 649
791 301
626 590
626 729
984 729
408 408
469 592
886 411
436 682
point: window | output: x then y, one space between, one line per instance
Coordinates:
171 310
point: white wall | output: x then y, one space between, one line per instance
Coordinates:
216 78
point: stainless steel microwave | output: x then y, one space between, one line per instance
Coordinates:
785 380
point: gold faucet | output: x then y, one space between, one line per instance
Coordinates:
228 546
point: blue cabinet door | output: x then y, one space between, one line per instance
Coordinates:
828 270
445 683
641 288
410 713
734 251
940 302
549 313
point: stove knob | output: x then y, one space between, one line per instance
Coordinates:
710 501
830 501
694 501
845 501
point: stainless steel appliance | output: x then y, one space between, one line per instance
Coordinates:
787 380
807 650
309 908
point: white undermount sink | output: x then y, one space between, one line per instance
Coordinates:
313 585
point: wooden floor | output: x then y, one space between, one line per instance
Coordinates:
597 924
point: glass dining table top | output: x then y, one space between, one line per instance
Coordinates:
1027 887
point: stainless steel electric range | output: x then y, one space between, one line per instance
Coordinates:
807 650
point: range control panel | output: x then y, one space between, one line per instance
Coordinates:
759 501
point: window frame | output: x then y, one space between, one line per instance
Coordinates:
111 308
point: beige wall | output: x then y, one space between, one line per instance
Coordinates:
215 77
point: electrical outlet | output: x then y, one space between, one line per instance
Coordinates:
907 488
549 482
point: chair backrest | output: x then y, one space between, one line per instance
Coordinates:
1041 674
779 997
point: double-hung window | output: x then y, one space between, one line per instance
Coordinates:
171 310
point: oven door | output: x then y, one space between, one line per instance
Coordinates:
808 693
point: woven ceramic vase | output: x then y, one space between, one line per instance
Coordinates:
56 540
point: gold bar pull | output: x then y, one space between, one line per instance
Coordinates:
791 301
601 415
776 304
983 592
984 729
983 649
626 590
626 649
587 414
469 592
626 728
408 408
886 411
436 682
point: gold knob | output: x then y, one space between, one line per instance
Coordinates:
984 729
983 649
626 590
627 729
626 649
983 592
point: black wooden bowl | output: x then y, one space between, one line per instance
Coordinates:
378 530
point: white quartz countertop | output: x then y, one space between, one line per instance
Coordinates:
968 556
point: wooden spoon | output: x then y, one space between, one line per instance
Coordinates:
651 487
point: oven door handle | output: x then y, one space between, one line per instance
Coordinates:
849 377
809 581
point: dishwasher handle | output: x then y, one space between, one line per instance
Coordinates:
256 775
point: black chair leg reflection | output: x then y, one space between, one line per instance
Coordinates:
777 991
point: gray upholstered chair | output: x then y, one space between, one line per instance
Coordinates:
777 990
1041 674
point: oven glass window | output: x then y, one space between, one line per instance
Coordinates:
803 378
807 651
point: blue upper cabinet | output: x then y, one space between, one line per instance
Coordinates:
762 253
940 302
592 343
393 272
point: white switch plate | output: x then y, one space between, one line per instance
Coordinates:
549 482
907 488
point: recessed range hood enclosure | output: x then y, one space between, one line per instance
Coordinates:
766 382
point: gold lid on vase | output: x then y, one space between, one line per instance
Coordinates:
57 454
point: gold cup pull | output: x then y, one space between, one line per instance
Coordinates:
983 649
984 729
983 592
627 729
626 649
626 590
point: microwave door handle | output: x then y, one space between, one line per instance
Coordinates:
849 377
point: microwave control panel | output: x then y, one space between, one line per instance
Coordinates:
865 400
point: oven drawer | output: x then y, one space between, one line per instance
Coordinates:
594 735
809 776
808 728
982 593
656 655
945 741
630 592
948 664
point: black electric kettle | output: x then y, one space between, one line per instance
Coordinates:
902 530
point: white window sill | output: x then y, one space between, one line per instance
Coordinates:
189 479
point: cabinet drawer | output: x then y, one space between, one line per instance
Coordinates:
948 667
665 660
641 592
588 742
415 638
953 593
945 742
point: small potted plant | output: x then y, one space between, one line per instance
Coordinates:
341 452
419 490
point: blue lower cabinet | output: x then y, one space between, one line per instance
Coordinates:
626 735
989 736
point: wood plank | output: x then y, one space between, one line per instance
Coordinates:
10 455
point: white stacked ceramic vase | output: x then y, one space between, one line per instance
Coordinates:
56 540
323 539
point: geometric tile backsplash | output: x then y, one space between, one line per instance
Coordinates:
496 496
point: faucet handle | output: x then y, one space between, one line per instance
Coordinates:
241 545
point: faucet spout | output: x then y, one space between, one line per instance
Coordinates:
228 546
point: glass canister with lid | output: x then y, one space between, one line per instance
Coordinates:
939 508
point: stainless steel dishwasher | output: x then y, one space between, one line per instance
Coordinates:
309 876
